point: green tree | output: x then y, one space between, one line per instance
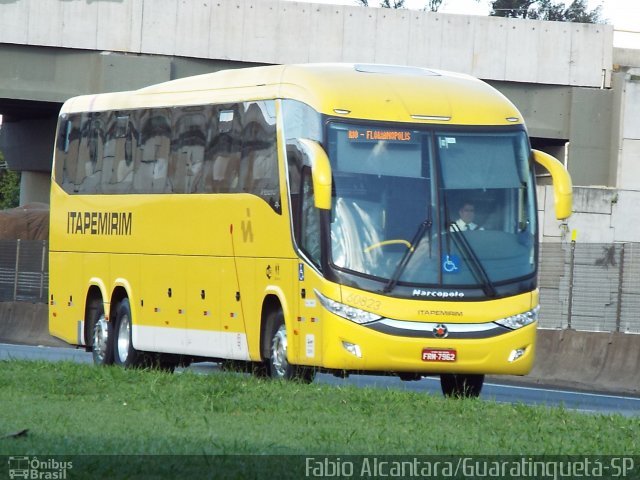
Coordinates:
431 5
576 11
384 3
392 3
511 8
9 186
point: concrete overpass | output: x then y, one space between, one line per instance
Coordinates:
562 76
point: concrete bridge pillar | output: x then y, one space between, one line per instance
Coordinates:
34 187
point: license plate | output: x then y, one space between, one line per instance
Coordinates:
439 355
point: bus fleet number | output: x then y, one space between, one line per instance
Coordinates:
365 303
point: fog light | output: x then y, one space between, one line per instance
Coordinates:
516 354
352 348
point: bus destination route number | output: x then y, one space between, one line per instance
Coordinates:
439 355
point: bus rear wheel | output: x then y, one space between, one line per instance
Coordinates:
461 385
278 365
124 353
101 336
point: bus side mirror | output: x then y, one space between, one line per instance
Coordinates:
320 173
562 190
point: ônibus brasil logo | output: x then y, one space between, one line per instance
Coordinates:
35 468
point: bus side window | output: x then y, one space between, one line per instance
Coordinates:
90 154
119 147
305 217
69 152
310 219
83 152
152 159
259 163
187 148
294 167
126 146
222 156
62 145
108 153
225 172
203 178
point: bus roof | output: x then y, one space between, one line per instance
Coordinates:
363 91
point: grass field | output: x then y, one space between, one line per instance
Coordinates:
76 409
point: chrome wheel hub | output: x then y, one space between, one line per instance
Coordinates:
123 339
279 352
100 339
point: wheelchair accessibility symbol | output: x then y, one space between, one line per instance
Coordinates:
450 264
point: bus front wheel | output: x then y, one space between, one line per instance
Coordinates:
124 353
459 385
277 363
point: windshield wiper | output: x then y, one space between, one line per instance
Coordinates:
476 266
404 261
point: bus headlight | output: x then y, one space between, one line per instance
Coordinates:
520 320
345 311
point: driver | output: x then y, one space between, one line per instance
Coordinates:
466 216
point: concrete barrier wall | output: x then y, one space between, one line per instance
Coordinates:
566 358
591 360
600 215
263 31
26 324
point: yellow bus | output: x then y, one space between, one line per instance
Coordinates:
301 218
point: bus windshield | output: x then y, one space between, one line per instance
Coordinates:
424 207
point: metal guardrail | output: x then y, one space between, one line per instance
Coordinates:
24 271
589 287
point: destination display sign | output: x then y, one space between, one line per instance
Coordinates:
375 135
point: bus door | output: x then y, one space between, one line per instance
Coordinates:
308 325
308 321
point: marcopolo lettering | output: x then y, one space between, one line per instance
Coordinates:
436 293
99 223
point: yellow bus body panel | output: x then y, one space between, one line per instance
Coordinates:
428 96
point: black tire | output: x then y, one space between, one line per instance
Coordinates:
410 377
278 366
164 362
124 354
461 386
101 335
257 369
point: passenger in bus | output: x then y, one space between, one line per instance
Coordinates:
465 220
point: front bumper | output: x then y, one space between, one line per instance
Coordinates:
480 348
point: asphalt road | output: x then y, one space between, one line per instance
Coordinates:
587 402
